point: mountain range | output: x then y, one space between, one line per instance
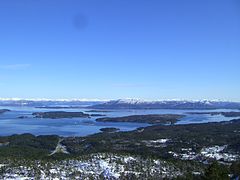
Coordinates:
124 104
168 104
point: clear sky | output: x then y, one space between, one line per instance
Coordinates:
110 49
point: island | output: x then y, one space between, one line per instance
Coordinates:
97 115
23 117
4 110
109 130
60 114
225 114
58 107
150 119
98 111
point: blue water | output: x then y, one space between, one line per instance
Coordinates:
11 124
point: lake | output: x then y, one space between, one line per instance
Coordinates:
11 124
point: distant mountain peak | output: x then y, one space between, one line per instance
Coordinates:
56 100
166 104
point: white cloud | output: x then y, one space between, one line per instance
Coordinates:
15 66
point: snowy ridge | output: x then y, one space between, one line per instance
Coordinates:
48 102
123 103
46 99
139 101
172 104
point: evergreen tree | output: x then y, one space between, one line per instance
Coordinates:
235 169
216 172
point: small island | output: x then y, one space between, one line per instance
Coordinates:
150 119
4 110
97 111
97 115
60 114
225 114
109 130
23 117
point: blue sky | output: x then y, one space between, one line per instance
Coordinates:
110 49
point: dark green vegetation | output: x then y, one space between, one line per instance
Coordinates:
97 115
60 114
109 129
235 169
27 146
150 142
4 110
96 111
22 117
151 119
195 136
215 171
226 114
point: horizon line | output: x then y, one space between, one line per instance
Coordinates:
105 100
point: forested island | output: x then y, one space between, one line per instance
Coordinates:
151 119
98 111
226 114
60 114
4 110
109 130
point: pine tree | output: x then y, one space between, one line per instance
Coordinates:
235 169
216 172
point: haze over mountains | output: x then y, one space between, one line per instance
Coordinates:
124 103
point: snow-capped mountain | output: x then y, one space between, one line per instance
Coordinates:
48 102
167 104
124 103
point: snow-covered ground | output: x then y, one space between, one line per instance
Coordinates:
95 166
207 153
217 152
